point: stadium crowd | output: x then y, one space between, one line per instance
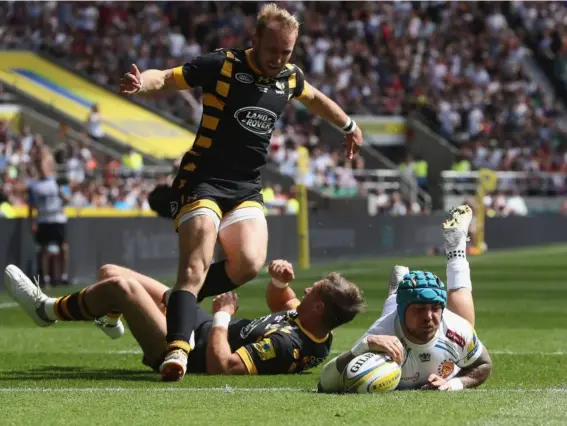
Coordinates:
455 63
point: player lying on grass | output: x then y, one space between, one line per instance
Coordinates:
295 337
437 348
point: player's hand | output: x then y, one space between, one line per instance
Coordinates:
436 382
131 82
281 270
391 345
227 302
353 141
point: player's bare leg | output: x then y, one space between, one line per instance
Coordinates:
197 238
111 323
155 289
145 319
459 285
116 294
243 237
245 244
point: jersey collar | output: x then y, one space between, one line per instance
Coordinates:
308 334
251 62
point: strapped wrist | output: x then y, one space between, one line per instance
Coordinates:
279 284
221 319
349 127
455 384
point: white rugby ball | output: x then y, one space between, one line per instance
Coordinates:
371 373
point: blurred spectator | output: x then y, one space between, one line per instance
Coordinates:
94 123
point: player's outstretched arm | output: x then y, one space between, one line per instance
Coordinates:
135 82
220 358
319 104
478 372
279 295
330 380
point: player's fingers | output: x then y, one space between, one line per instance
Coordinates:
130 78
135 69
431 377
395 353
443 387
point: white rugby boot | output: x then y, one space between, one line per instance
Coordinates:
398 274
111 326
174 366
455 231
27 294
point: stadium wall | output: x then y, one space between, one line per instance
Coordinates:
149 245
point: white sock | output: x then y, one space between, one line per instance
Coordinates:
49 308
390 305
458 274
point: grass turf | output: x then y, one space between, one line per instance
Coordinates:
73 374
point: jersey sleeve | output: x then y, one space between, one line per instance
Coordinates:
383 326
201 72
472 349
271 355
302 88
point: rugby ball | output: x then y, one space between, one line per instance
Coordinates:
371 373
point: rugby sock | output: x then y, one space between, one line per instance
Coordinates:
458 273
68 308
180 319
216 282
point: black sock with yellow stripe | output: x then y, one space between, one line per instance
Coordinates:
72 307
180 318
216 282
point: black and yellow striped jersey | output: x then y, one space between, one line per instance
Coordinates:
277 344
240 111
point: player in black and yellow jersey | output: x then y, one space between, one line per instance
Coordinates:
294 337
217 190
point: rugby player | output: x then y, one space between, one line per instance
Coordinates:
49 226
216 192
420 328
296 336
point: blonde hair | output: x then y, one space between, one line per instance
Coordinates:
271 12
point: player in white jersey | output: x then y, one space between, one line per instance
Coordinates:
436 347
49 226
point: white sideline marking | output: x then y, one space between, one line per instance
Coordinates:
559 353
227 389
230 389
8 305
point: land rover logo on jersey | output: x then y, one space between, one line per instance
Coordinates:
244 78
256 120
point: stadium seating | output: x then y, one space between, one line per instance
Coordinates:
457 65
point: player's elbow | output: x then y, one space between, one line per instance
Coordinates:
330 380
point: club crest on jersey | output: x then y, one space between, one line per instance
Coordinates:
457 338
446 368
244 78
256 120
425 357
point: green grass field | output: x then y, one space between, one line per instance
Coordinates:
74 374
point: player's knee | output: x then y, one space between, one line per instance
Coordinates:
248 268
107 271
125 288
193 274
